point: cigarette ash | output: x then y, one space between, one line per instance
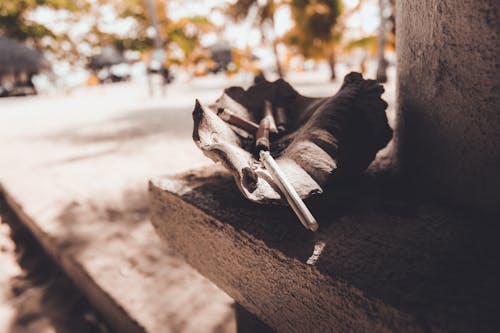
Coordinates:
315 141
318 249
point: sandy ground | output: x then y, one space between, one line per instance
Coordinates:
79 164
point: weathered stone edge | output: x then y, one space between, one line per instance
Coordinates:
114 314
241 265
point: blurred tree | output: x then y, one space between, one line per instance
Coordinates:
375 46
386 35
392 24
183 34
316 34
139 39
367 44
186 34
15 22
264 19
382 40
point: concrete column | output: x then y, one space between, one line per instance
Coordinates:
448 98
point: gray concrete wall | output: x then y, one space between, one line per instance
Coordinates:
448 98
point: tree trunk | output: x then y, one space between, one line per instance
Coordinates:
362 65
382 63
154 22
279 69
331 63
274 44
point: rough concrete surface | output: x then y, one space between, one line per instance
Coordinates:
381 261
448 83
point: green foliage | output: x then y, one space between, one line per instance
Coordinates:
135 44
314 34
15 24
239 10
368 43
185 33
133 8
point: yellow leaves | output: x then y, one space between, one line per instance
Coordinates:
8 8
317 8
243 60
368 43
239 9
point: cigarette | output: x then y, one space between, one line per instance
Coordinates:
234 120
268 113
292 197
262 136
280 118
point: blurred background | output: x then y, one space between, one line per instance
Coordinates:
97 98
54 46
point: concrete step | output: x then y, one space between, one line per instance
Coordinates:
115 258
380 262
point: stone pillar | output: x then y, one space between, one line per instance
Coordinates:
448 99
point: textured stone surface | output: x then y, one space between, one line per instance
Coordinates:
389 263
448 82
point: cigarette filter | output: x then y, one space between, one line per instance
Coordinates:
262 136
234 120
280 117
268 113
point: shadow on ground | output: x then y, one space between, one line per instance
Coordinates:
82 222
43 298
136 125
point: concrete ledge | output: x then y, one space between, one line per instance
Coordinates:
123 269
387 264
114 313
